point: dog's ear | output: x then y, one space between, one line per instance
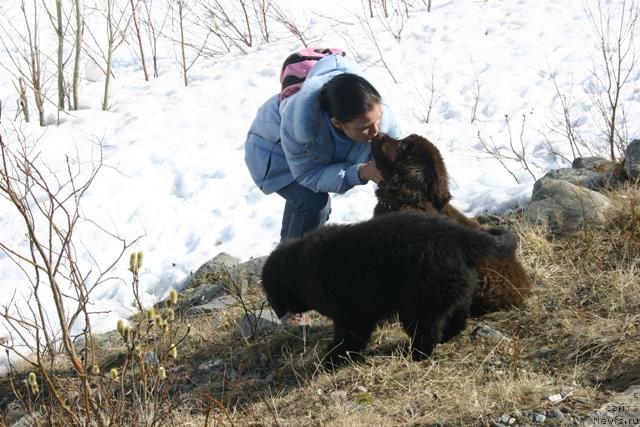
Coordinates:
435 177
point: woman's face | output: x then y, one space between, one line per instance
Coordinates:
362 128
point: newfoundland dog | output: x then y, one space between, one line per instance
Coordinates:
417 265
415 178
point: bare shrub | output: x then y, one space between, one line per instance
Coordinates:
286 20
615 35
23 50
516 151
65 383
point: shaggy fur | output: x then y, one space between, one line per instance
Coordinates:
415 178
418 265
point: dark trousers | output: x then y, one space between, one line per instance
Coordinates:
304 210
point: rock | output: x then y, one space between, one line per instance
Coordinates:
198 296
504 419
213 306
542 353
215 271
555 398
592 163
631 163
583 177
484 330
564 207
555 413
539 418
251 271
107 340
258 323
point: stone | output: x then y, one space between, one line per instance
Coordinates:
214 271
258 322
198 296
555 398
564 207
583 177
592 163
213 306
251 271
484 330
555 413
631 162
542 353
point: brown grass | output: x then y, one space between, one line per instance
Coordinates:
584 312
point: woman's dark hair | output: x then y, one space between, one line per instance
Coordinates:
347 96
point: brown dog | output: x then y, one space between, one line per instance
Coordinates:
415 178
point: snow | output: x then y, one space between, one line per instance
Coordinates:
174 173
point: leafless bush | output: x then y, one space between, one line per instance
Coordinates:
155 28
262 11
615 34
287 21
231 25
138 34
77 49
23 51
513 153
182 18
66 385
395 20
564 125
371 34
476 93
427 102
58 25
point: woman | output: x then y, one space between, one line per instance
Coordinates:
315 142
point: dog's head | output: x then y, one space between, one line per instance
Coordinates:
277 285
415 164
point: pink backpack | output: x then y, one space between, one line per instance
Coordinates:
297 66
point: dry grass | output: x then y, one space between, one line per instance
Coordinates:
584 313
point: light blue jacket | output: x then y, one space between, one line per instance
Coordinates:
295 140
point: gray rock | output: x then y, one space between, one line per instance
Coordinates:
192 297
584 177
484 330
542 353
555 413
258 322
631 163
539 418
564 207
105 340
592 163
251 271
213 306
214 271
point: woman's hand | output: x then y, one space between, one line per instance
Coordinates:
370 172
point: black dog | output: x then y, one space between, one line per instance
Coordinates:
418 265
